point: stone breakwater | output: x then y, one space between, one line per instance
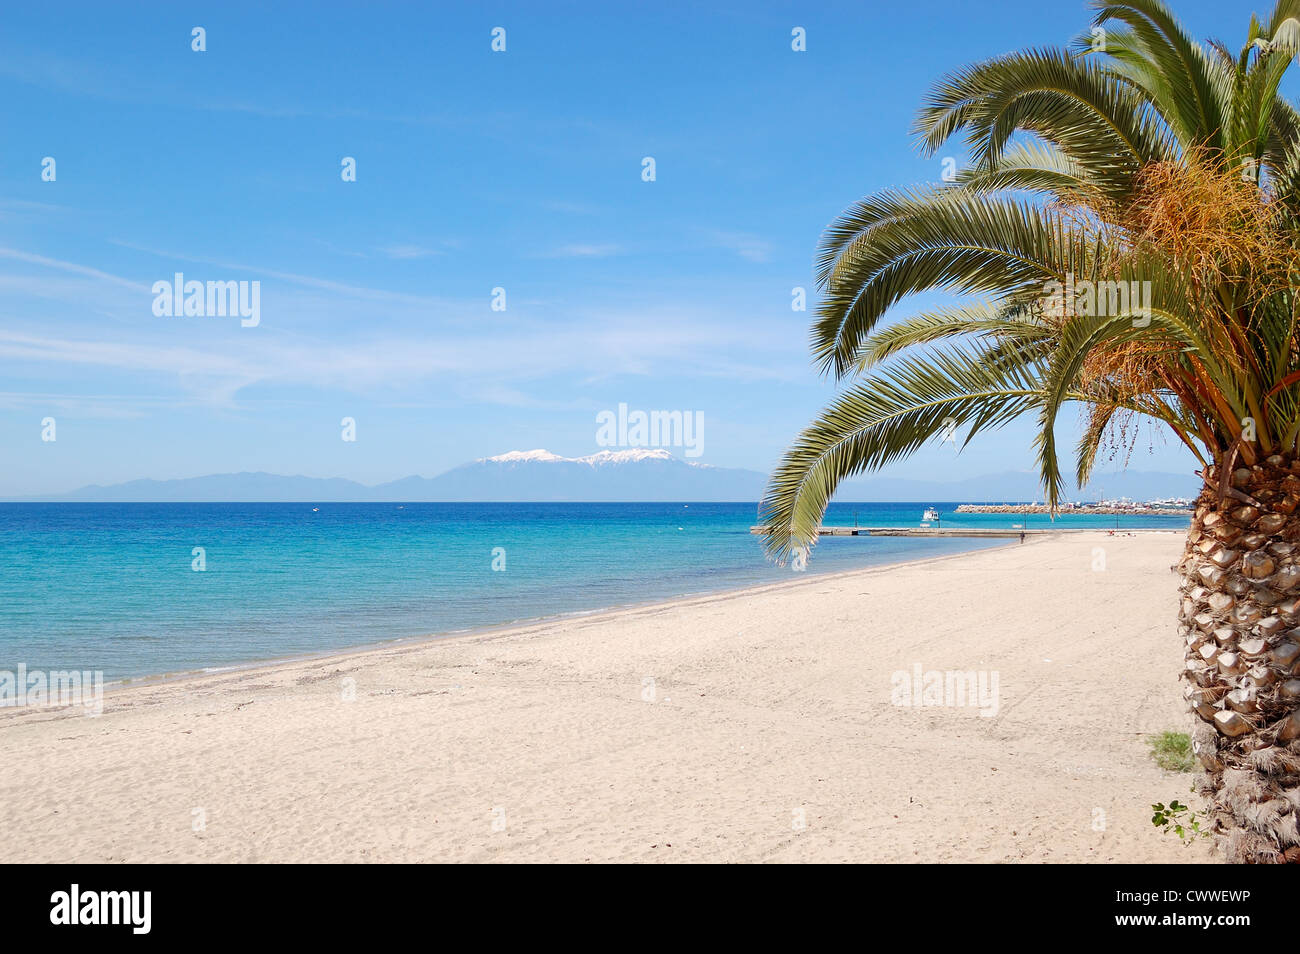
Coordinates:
1043 508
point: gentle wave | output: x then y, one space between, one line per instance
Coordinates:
114 587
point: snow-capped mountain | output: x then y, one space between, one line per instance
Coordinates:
640 473
519 457
600 459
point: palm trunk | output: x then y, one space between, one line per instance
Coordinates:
1239 610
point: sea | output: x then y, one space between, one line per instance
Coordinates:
137 590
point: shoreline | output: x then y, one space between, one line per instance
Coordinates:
688 730
514 626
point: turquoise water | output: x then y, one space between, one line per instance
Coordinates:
112 586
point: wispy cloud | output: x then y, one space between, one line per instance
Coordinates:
101 406
359 292
368 341
12 208
30 259
568 207
583 250
402 252
750 247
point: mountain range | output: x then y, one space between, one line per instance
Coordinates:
625 475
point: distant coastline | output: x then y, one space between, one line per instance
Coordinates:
1100 510
608 477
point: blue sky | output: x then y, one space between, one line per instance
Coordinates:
475 170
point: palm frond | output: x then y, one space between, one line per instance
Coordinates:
889 416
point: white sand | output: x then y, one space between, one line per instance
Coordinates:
536 744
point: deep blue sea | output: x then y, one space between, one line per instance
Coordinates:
112 587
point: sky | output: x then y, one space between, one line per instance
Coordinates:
475 170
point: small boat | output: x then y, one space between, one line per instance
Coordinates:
931 515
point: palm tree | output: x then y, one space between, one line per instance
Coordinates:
1123 238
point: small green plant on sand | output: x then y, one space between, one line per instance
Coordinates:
1179 819
1172 751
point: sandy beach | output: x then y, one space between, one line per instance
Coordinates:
757 725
